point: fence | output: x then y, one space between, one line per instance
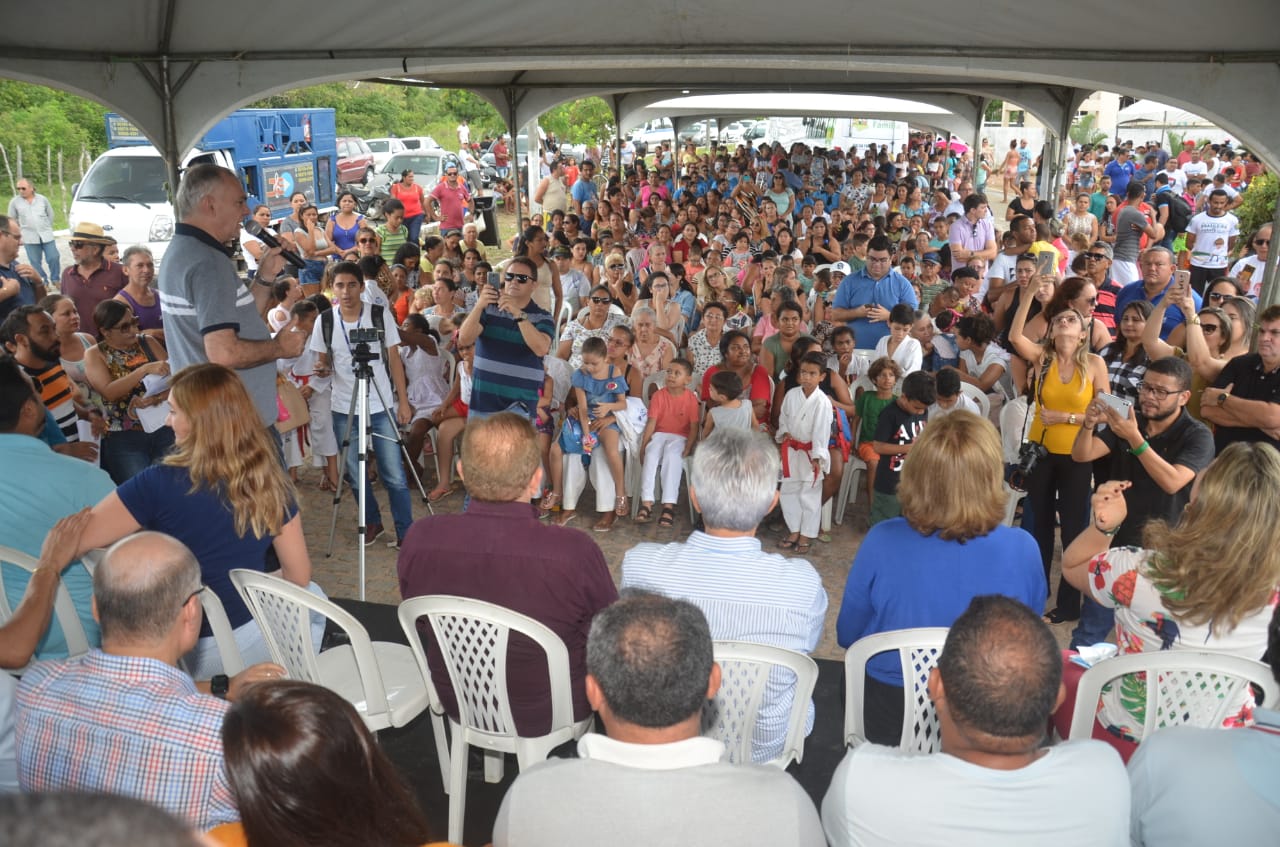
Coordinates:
52 177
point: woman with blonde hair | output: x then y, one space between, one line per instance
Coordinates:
1208 582
1065 377
949 546
223 492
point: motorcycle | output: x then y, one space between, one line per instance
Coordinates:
369 199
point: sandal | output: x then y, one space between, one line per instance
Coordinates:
326 484
1057 616
789 543
564 518
802 546
645 514
668 518
439 493
620 506
549 503
606 522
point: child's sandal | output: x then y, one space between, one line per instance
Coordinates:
668 518
620 506
645 514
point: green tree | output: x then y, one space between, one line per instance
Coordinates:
1085 131
580 121
994 109
1259 206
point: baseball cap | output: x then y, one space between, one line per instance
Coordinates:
932 258
561 253
841 268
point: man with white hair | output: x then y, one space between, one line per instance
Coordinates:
746 594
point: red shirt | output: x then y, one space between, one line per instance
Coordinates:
410 196
102 284
672 414
453 203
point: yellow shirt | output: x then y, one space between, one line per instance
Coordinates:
1071 397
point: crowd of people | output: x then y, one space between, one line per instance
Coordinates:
755 324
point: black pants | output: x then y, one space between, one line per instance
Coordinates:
1200 278
1058 486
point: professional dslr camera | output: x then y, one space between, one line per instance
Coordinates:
1029 455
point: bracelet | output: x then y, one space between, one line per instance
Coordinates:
1141 448
1109 533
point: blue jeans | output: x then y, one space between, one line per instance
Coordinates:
414 225
386 452
47 250
1096 623
313 273
127 453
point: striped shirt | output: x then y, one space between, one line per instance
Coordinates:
124 725
506 371
58 394
747 595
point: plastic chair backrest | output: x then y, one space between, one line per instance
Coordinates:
1193 688
283 612
918 650
652 383
223 635
450 365
472 636
744 671
64 610
978 396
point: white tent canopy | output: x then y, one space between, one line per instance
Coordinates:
1153 114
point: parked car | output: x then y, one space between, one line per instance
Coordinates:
699 133
735 132
427 165
419 142
658 131
355 160
383 149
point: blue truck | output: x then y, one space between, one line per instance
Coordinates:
276 152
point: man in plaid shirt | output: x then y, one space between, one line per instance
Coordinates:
124 719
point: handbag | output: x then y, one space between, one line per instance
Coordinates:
291 407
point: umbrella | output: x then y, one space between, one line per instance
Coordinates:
957 146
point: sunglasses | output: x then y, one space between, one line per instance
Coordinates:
615 267
601 300
124 325
366 241
1262 242
1218 296
1095 257
74 245
521 278
450 173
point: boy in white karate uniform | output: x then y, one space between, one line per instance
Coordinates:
804 431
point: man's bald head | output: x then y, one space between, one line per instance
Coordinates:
142 585
500 455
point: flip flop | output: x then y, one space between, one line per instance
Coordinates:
802 547
788 543
439 493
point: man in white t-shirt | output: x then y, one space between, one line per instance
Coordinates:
464 134
1195 167
335 356
997 681
1211 236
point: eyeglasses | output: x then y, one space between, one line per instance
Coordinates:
1095 257
74 245
521 278
601 300
14 235
1262 242
195 593
366 241
1209 329
1155 390
124 325
1218 295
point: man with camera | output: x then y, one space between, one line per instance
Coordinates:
1159 447
362 332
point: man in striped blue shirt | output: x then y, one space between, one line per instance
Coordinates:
745 593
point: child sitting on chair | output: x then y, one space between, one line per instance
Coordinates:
667 440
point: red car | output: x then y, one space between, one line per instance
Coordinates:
355 160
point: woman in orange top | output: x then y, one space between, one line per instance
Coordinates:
305 771
409 193
1065 378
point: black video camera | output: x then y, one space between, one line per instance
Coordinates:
1029 455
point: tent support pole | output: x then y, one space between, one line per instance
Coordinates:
170 140
509 95
616 103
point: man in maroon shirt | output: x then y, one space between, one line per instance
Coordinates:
92 278
498 551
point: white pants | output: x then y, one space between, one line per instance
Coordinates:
666 452
576 476
323 441
802 506
1123 273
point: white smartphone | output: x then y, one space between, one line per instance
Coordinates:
1122 405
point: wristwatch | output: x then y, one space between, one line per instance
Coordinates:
219 684
1222 398
1071 419
522 317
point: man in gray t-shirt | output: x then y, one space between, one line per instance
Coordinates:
1131 224
209 313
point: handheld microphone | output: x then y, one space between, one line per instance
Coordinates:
260 232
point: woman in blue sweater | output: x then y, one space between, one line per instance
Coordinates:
949 546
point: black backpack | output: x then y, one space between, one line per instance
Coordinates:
1179 213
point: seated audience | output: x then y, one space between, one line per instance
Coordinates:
498 551
653 778
923 569
72 819
746 594
994 783
125 719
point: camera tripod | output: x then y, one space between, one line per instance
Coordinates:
362 357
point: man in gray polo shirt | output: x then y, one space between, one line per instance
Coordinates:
210 315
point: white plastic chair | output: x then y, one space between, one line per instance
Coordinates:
562 319
1193 688
472 637
744 672
64 610
849 485
223 635
379 678
977 395
918 650
652 383
1013 498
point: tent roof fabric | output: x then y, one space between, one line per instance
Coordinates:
176 67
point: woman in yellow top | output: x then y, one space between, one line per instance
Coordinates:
1065 376
305 771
